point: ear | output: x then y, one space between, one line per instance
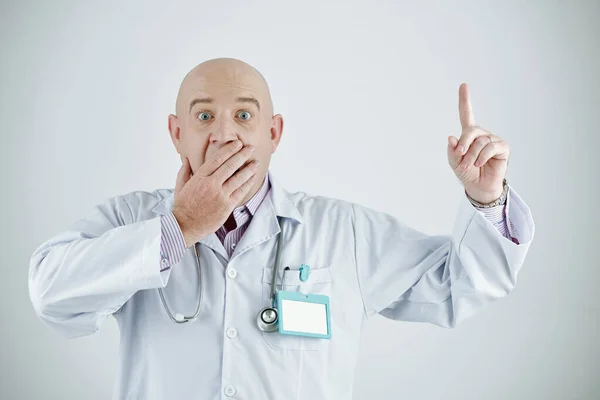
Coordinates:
174 130
276 131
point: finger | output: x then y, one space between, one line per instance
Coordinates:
478 145
184 175
234 164
499 150
239 184
468 136
453 156
237 180
216 160
465 110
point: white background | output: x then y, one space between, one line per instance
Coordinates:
369 93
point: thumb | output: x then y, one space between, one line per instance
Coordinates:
454 156
184 175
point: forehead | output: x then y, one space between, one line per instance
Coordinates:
223 93
224 90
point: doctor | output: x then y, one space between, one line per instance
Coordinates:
185 272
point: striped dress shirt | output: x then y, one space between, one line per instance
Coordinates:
172 245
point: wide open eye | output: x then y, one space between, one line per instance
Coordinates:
204 116
244 115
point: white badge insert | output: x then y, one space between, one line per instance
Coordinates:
304 314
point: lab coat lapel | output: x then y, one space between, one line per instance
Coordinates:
264 224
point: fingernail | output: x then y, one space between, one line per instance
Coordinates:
251 148
461 149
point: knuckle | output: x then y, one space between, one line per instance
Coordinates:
230 164
217 159
480 142
210 185
470 130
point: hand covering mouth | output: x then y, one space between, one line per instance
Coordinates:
243 166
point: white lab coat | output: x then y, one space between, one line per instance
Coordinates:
108 263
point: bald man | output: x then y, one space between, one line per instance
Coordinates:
229 286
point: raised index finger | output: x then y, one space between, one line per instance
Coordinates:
465 110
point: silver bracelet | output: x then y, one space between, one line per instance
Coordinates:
498 202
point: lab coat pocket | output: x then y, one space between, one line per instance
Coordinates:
318 282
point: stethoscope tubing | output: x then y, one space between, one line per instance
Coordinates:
182 318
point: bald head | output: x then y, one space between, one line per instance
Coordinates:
223 73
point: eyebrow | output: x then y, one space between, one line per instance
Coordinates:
208 100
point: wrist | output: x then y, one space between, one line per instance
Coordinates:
484 198
489 199
185 232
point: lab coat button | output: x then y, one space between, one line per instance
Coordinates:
233 245
231 333
229 391
231 272
164 261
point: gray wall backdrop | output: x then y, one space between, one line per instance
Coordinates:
369 93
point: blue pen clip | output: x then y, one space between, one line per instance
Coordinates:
304 271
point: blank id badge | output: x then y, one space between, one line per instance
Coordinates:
303 314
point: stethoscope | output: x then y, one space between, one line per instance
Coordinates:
180 318
267 319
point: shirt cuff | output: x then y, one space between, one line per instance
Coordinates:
494 214
172 243
498 217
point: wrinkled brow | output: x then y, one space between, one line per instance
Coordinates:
208 100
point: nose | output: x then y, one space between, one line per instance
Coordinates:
223 133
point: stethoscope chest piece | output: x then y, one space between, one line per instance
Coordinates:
267 319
